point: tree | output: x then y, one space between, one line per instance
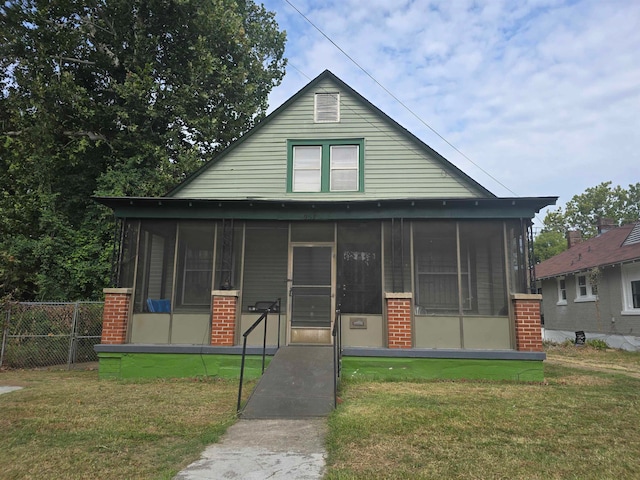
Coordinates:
547 244
114 97
582 213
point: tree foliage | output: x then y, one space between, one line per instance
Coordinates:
114 97
582 213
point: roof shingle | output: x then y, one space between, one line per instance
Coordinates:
606 249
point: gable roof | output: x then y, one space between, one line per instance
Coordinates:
444 163
619 245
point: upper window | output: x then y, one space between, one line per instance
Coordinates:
562 291
326 108
325 166
631 289
585 291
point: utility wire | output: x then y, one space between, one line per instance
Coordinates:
399 101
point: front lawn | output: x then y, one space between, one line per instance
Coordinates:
580 423
69 424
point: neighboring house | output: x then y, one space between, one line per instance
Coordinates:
326 204
594 287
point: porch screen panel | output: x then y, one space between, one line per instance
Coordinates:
154 278
228 255
265 263
359 268
436 269
517 241
129 249
312 232
397 256
487 292
195 265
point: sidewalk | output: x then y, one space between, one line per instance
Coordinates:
260 449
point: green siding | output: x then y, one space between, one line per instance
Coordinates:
396 166
176 365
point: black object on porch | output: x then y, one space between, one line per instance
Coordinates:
298 383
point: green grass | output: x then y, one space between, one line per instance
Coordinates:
69 424
578 424
582 422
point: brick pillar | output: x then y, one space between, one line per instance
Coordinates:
115 316
526 309
399 331
223 318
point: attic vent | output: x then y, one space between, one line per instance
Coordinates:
634 236
327 107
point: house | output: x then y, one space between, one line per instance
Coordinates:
327 204
594 287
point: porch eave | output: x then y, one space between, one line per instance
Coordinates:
259 209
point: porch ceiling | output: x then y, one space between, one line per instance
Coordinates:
257 209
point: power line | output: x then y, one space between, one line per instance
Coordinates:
399 101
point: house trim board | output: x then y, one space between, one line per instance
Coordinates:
456 208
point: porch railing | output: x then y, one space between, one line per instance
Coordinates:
264 316
337 354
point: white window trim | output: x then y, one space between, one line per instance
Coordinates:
589 297
561 301
630 273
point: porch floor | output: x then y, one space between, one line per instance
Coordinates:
297 384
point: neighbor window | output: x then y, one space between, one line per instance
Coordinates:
325 166
585 291
631 289
562 291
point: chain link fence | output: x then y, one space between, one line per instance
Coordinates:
40 334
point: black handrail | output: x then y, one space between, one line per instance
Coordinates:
264 317
337 354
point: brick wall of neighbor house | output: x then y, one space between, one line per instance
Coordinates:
528 327
223 318
115 317
399 331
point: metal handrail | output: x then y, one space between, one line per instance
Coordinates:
264 317
337 354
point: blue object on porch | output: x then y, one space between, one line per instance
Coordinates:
162 305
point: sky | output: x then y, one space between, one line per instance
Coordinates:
543 96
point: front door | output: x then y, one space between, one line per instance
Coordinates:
311 294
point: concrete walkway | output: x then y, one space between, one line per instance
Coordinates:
8 389
274 449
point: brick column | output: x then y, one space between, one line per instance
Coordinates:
399 331
223 318
526 309
115 316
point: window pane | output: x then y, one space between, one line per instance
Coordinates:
307 157
306 180
344 156
344 180
635 293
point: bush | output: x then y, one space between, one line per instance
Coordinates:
597 344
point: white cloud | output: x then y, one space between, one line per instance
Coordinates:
544 95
